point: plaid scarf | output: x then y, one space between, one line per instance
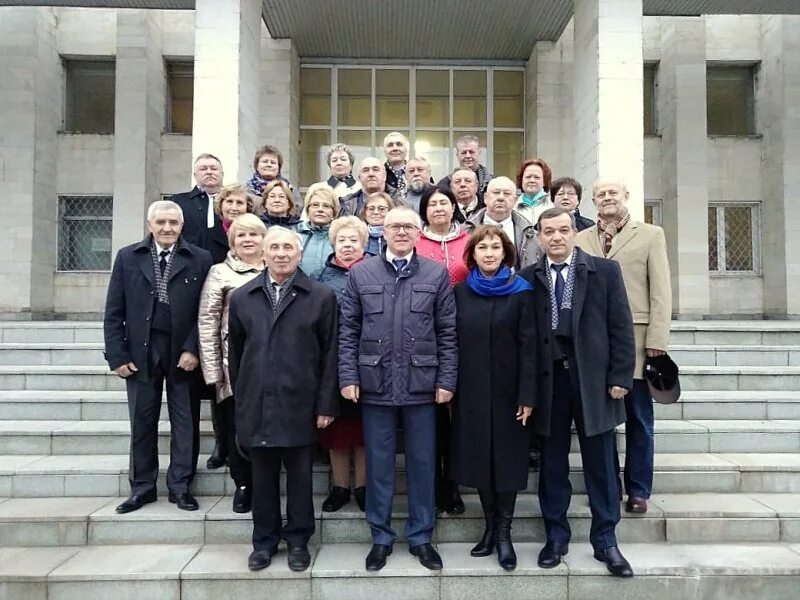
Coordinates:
608 229
161 280
566 300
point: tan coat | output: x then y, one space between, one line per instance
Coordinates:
641 251
212 320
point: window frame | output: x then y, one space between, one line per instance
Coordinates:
755 227
654 66
453 132
60 228
751 125
169 65
69 63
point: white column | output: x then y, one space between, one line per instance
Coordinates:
30 116
280 101
682 123
226 83
608 105
138 121
779 121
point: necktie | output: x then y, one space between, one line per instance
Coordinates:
277 289
162 264
399 263
559 284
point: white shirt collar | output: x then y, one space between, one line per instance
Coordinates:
160 248
390 256
490 221
566 261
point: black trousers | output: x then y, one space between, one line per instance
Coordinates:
444 472
144 408
241 472
599 473
266 496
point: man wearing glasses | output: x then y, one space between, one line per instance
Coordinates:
397 357
566 193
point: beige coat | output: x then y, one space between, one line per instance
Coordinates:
641 251
212 320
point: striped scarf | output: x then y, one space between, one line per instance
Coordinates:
566 300
161 280
607 230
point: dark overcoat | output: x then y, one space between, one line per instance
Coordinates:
194 205
130 303
602 336
496 374
282 366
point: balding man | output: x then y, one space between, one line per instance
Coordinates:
395 149
464 185
282 362
372 177
501 194
468 154
418 178
398 356
641 251
151 341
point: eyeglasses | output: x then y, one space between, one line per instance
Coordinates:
377 209
398 227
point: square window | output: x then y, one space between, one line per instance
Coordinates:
180 93
84 233
730 100
90 93
733 238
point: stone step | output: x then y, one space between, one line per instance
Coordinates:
31 476
113 437
677 518
730 356
99 378
664 571
54 405
91 354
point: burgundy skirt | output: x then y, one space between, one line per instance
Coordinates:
342 434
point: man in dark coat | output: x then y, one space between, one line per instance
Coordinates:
397 356
150 333
282 331
203 227
586 361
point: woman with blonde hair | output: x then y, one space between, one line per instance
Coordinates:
345 436
321 206
245 260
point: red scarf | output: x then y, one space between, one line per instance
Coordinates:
346 266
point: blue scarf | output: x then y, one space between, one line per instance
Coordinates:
503 283
534 200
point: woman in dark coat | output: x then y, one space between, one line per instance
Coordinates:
345 436
496 385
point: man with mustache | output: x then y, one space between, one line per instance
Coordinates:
418 178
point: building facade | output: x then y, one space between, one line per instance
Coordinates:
102 110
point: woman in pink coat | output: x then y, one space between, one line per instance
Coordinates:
442 238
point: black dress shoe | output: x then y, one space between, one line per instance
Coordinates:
376 559
136 501
550 555
259 559
241 500
454 503
428 556
617 565
338 497
299 558
184 501
361 497
636 505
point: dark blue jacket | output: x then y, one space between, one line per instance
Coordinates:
332 275
397 333
131 300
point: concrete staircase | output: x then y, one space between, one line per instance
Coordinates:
724 521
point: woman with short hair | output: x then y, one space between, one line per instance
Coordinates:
533 178
267 167
278 205
321 207
340 161
344 437
245 260
496 385
373 214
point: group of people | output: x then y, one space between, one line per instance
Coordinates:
475 316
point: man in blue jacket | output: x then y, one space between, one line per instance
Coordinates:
397 356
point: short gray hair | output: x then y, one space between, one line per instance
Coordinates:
277 230
406 210
206 155
341 148
468 139
160 205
